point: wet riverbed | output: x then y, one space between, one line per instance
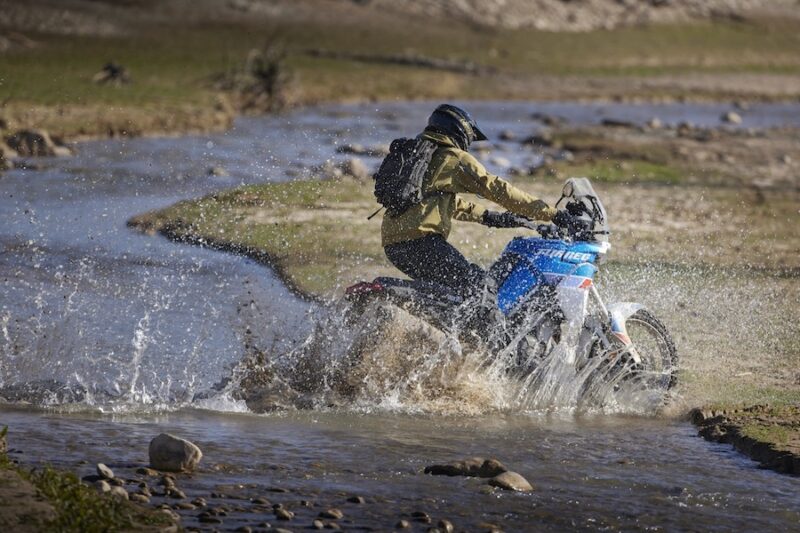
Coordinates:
598 473
104 319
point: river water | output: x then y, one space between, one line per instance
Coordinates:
109 337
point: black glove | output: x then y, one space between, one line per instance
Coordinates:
574 225
564 219
493 219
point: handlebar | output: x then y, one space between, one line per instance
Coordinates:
549 231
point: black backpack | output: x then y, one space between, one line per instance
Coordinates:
398 182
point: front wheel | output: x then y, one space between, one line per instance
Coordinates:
649 364
658 364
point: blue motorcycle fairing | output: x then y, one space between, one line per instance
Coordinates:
547 261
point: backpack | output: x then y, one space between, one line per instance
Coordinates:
398 182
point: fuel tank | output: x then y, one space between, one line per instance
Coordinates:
528 262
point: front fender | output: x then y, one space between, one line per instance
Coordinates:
618 313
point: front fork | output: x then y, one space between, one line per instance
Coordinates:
612 324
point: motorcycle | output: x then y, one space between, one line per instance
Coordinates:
540 295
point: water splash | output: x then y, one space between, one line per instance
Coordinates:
387 359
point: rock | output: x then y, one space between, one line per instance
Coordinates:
104 472
167 481
617 123
317 524
176 493
260 500
244 529
113 73
403 524
379 150
333 514
283 514
421 516
731 117
31 143
356 499
507 135
543 138
547 120
655 123
473 467
713 432
102 486
786 159
185 506
6 156
139 498
217 171
357 149
685 128
446 526
355 168
200 502
491 468
699 416
511 481
171 453
501 162
209 519
144 471
119 492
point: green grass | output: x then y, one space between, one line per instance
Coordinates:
80 508
308 250
631 171
774 434
170 66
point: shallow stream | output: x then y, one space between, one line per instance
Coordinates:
107 336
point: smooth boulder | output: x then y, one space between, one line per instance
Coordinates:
511 481
104 472
731 117
173 454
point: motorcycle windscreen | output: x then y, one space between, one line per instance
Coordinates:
522 279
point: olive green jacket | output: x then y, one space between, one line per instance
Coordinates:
454 171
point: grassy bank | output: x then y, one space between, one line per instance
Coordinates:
47 499
49 84
769 434
317 236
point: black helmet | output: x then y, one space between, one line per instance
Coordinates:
457 124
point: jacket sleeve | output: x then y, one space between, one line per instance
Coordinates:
472 177
467 211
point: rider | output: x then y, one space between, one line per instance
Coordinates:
416 240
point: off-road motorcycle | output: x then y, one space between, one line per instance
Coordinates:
540 294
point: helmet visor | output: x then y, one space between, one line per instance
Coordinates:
479 135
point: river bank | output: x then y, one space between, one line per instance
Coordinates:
40 499
197 74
